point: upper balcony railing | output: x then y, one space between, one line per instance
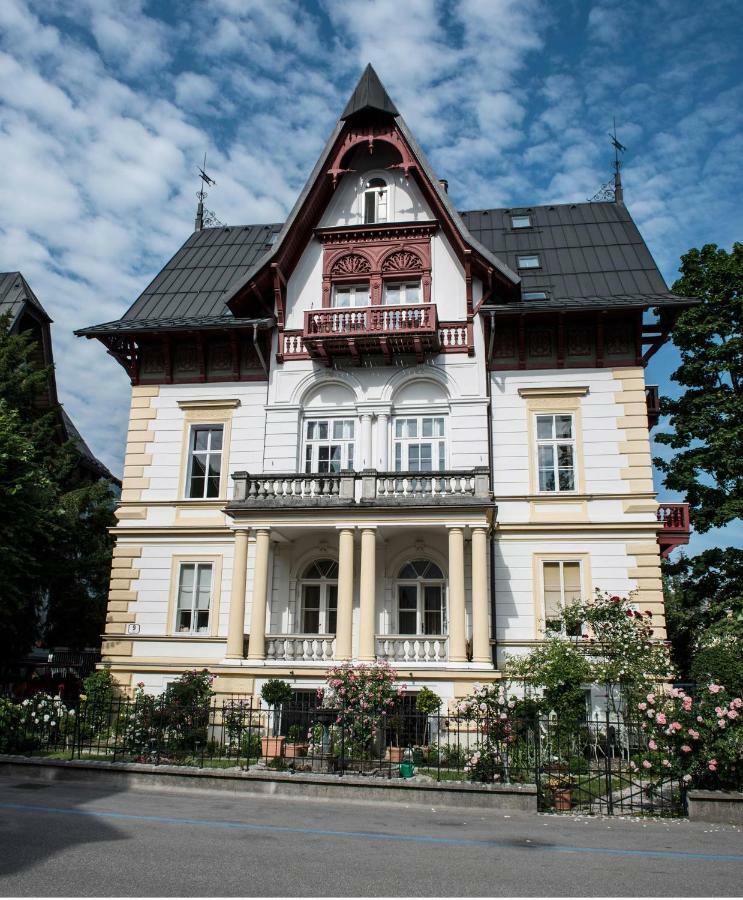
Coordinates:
271 490
675 526
371 329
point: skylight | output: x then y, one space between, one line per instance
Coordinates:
521 221
534 295
530 261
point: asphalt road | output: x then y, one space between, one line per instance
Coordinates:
84 840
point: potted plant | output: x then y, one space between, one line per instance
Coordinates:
395 751
274 694
561 788
294 746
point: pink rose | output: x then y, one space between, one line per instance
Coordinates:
686 749
700 719
642 706
714 689
712 767
722 723
736 703
667 763
661 718
686 703
652 745
732 714
650 698
675 726
694 735
719 711
646 764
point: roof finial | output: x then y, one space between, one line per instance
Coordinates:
201 195
618 148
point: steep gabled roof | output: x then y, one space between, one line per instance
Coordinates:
15 294
369 94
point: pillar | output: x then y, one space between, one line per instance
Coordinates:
236 627
367 617
480 625
457 649
344 618
366 441
383 440
257 645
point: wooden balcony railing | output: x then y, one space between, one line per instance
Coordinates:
371 329
675 527
652 400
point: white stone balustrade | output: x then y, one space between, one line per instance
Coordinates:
300 647
402 648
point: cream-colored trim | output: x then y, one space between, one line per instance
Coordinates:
538 560
216 562
211 403
550 404
635 442
646 573
120 593
136 458
576 527
574 511
219 415
556 391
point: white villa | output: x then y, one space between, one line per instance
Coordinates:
385 429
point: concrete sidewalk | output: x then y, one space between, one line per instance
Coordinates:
77 838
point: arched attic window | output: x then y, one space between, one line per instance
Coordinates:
375 201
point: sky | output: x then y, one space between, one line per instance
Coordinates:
107 106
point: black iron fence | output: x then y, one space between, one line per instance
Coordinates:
588 764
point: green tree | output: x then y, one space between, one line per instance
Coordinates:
707 419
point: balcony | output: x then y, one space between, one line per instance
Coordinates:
312 648
368 488
410 648
652 400
675 527
385 330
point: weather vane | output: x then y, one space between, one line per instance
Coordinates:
205 218
612 191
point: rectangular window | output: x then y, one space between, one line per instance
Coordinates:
194 598
402 293
522 221
348 295
529 261
534 295
420 444
407 609
432 609
556 452
562 585
329 445
205 461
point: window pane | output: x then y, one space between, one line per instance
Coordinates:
216 435
361 297
336 462
200 438
310 430
342 297
202 620
311 621
426 457
183 622
567 480
442 455
546 457
204 587
439 427
398 457
350 456
185 592
407 622
196 488
407 596
212 486
431 609
392 294
414 458
563 426
544 427
552 593
565 456
198 465
308 458
571 578
427 428
546 480
369 207
331 624
408 571
520 221
215 465
413 293
322 431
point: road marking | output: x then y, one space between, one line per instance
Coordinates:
370 835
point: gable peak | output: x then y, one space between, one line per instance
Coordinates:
369 94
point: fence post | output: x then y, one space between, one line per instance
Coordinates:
537 762
607 767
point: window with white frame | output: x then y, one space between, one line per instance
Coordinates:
556 451
329 445
194 598
348 295
420 444
561 584
375 201
420 598
319 589
204 461
528 261
401 293
523 220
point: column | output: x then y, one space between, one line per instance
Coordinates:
366 441
344 618
257 645
368 598
236 627
480 625
383 441
457 649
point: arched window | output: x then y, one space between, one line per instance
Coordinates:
319 592
375 201
420 598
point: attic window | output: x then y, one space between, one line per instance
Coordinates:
521 221
375 201
530 261
534 295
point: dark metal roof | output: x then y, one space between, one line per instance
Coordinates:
89 459
15 293
369 93
590 254
174 323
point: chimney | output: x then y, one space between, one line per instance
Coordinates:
444 184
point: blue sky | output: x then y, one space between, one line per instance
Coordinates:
106 106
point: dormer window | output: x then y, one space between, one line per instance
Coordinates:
375 201
345 295
528 261
402 293
521 221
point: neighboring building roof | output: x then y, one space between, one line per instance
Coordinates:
88 457
15 293
589 253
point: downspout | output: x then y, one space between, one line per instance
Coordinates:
490 466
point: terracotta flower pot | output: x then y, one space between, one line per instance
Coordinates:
395 754
294 750
271 747
563 799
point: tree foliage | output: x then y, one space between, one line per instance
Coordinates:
55 550
707 419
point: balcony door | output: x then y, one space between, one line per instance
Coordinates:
421 607
319 593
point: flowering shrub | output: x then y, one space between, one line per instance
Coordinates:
361 694
698 740
43 719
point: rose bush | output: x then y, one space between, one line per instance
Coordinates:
696 739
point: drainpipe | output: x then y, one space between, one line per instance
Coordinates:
490 466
